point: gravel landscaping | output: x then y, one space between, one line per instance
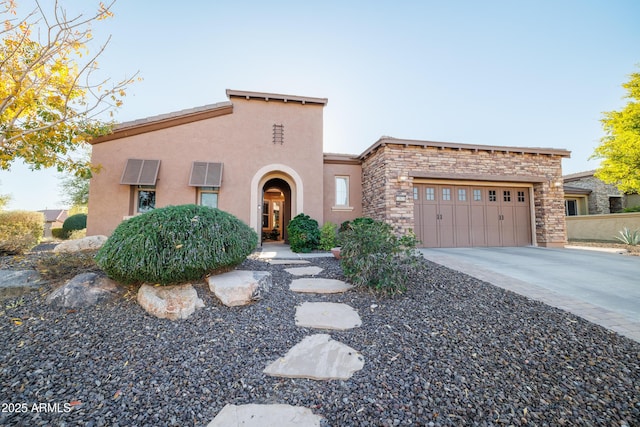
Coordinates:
451 351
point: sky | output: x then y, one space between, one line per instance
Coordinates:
533 73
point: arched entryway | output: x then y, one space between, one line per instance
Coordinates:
272 180
276 210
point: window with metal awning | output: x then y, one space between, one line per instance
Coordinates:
207 177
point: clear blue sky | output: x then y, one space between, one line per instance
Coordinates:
514 72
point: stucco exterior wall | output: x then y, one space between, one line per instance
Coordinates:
601 227
334 213
242 141
390 170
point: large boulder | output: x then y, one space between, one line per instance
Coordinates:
84 244
84 290
240 287
169 302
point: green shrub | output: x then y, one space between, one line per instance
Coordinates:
629 237
59 233
346 225
20 231
373 256
175 244
328 236
632 209
75 222
304 235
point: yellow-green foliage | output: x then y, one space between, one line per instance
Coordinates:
620 148
20 231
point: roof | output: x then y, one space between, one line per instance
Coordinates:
275 97
163 121
575 190
578 175
336 158
457 146
53 215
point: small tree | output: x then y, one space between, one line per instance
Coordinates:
49 98
620 148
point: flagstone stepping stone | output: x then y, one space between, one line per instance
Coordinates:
287 261
319 286
303 271
254 415
327 315
317 357
240 287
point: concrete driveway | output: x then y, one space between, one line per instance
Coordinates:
601 287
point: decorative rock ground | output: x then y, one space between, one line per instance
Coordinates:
17 282
317 357
84 290
240 287
327 315
319 286
265 416
169 302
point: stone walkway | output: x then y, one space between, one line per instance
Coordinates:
316 357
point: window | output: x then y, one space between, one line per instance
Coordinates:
571 207
429 193
521 197
446 194
506 195
415 193
477 195
208 196
342 191
462 194
146 198
492 196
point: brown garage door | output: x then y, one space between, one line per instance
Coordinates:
466 215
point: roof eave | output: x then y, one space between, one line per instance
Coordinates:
264 96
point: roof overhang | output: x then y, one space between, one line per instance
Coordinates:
263 96
387 140
341 159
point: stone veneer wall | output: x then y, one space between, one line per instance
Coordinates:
600 193
386 197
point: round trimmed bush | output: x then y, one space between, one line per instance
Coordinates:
304 234
75 222
175 244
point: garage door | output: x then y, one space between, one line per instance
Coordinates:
466 215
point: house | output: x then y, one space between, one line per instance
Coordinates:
53 218
260 157
587 195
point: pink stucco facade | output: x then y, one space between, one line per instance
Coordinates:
269 148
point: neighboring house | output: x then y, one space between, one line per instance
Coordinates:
260 157
53 218
585 194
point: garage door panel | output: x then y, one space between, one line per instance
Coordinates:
463 216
